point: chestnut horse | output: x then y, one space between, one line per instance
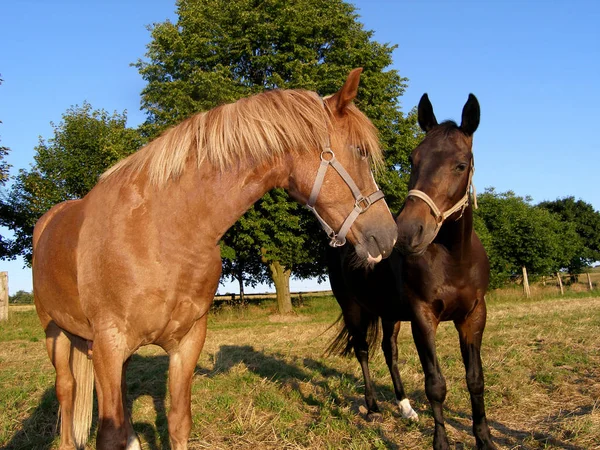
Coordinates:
441 273
137 260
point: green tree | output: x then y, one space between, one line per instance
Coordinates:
285 233
522 235
405 137
587 225
222 50
21 298
85 143
238 250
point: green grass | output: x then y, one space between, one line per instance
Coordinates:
262 382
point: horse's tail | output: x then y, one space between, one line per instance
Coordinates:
83 372
342 344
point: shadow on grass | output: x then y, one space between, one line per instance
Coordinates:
275 368
147 376
513 438
39 429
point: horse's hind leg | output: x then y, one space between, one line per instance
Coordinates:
108 356
182 364
58 346
470 332
389 345
357 321
133 442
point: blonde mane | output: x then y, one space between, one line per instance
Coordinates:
260 128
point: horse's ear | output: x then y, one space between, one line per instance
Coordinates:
470 116
425 114
341 99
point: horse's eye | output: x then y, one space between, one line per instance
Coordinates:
461 167
362 152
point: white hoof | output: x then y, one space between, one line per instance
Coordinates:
133 443
407 411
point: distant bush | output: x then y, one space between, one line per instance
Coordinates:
21 298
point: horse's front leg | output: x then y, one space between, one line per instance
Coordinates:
424 326
470 332
389 345
182 363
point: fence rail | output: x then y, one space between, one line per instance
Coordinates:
233 298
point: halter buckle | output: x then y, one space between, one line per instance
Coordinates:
363 203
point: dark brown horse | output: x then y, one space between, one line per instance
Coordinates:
137 260
440 273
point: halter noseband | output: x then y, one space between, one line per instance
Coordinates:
460 205
360 206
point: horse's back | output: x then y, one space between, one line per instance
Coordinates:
55 241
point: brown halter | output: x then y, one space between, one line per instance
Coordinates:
360 206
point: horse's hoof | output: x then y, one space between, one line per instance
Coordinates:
406 410
440 441
486 445
133 443
374 417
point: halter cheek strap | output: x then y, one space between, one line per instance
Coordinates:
360 206
460 205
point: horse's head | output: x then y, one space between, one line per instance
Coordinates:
441 176
339 186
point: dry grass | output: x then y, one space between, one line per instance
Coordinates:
262 383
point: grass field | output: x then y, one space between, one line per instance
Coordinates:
262 382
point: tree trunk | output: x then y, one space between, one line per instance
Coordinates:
562 291
574 278
3 296
526 283
240 278
281 278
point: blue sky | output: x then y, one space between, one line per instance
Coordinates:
533 64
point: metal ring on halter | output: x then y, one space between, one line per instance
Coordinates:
327 151
361 203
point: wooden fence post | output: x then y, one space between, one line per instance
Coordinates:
590 281
526 283
562 291
3 296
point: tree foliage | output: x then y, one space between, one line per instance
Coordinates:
222 50
21 298
587 225
85 143
238 250
519 234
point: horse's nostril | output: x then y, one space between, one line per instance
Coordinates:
417 236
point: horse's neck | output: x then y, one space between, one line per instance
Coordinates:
456 236
216 201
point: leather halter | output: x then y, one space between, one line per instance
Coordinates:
360 206
460 205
